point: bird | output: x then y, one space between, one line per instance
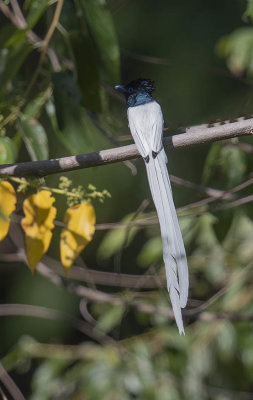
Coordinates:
146 122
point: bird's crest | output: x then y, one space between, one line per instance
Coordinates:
141 84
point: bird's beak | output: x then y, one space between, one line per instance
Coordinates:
120 88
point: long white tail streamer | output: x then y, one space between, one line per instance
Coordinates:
146 125
173 247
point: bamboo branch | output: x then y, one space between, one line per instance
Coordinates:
193 136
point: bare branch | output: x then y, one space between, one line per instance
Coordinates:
96 277
17 19
236 203
94 295
28 310
193 136
45 47
134 300
10 385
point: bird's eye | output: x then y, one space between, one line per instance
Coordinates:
130 90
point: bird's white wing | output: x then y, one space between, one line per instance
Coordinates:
146 126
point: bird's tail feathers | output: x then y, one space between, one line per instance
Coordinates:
173 247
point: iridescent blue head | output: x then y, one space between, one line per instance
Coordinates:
137 92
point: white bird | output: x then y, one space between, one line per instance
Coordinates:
146 125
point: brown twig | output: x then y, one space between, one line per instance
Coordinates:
19 21
45 45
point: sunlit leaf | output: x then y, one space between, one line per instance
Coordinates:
35 139
38 224
8 201
80 227
102 29
8 151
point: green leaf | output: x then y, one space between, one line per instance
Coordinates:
35 139
237 48
151 252
210 163
226 341
35 9
115 239
102 29
70 120
188 227
14 61
249 9
239 239
8 151
87 73
225 166
18 37
11 36
6 33
34 107
209 255
110 319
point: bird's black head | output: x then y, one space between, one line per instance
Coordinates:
137 92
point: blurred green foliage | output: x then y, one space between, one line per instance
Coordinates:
71 108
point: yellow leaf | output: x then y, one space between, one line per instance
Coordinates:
38 224
80 221
8 201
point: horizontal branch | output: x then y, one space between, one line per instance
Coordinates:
193 136
33 311
95 277
131 300
96 296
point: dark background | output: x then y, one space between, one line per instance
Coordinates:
175 43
